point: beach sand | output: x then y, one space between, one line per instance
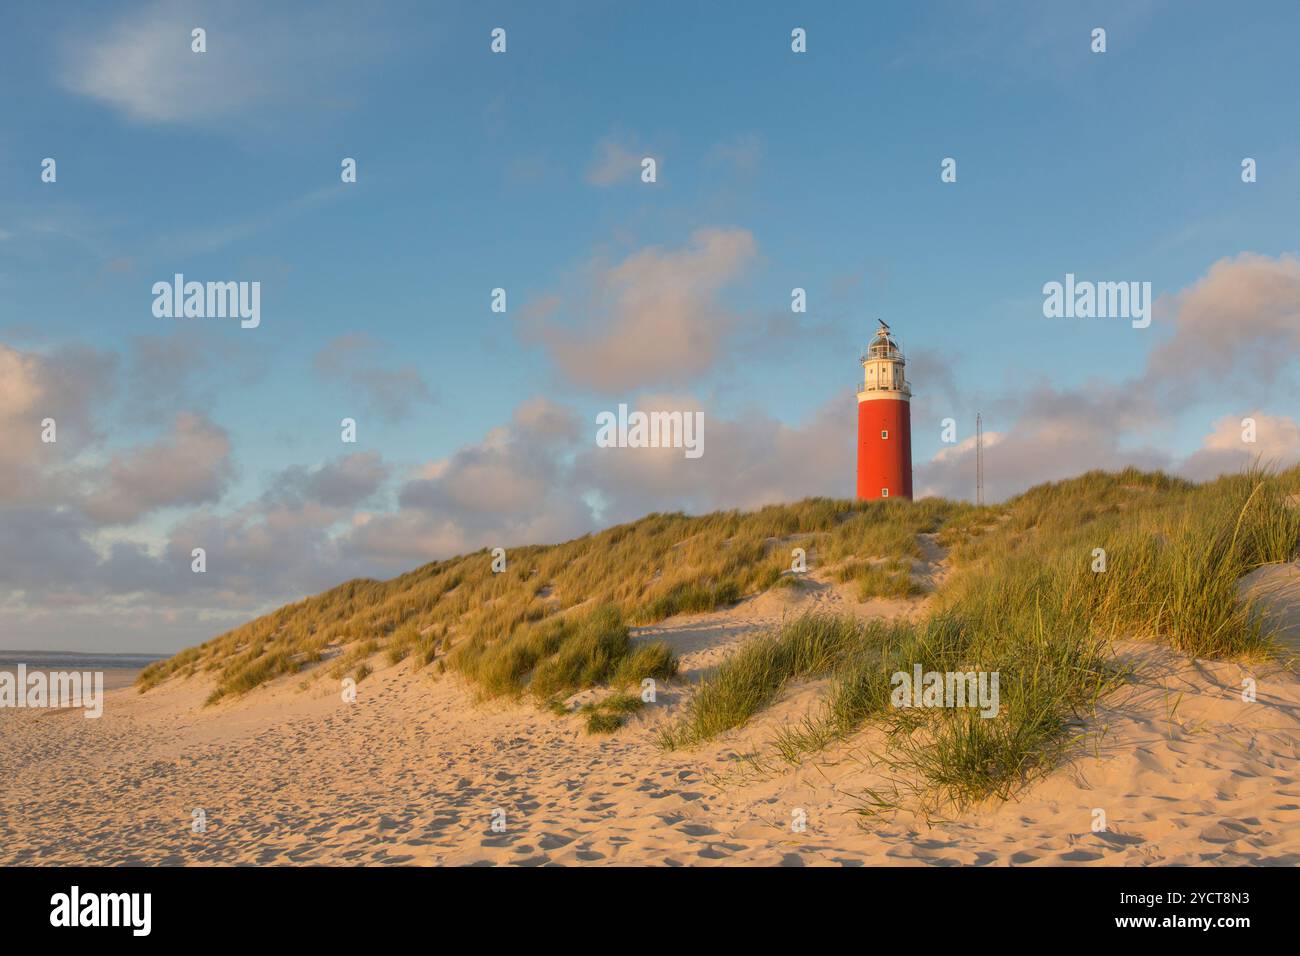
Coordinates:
413 771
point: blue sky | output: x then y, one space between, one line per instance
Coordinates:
519 170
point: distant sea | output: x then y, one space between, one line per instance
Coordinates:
76 660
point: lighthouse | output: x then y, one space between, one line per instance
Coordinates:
884 421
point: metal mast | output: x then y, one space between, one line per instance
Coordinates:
979 459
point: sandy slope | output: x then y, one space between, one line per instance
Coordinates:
412 771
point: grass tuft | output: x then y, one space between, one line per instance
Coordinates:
562 656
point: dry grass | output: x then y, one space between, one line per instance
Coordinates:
648 570
1031 602
1024 597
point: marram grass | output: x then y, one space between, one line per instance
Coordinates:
1044 586
1025 598
661 565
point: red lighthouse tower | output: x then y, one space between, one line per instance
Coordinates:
884 422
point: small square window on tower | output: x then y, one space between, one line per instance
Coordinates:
884 492
884 433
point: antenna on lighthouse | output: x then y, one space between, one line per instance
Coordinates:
979 459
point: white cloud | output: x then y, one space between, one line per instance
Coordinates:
258 56
390 392
1224 449
342 483
1237 328
65 385
614 162
652 319
190 466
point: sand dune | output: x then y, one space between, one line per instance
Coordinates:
412 772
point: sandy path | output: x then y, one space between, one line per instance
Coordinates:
1185 771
